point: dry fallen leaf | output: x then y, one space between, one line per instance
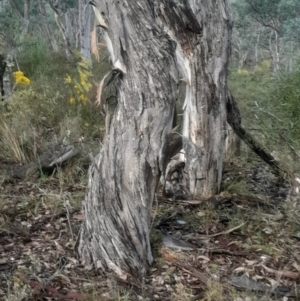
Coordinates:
59 248
239 270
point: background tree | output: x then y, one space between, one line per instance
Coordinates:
153 46
265 26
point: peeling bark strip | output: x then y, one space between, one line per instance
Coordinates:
202 32
155 44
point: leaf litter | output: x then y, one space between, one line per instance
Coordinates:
225 251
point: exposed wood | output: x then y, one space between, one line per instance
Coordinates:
204 124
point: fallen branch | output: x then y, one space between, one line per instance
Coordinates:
54 156
234 120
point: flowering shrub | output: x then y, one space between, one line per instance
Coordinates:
20 78
242 71
81 85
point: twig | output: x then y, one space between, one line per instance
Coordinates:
227 252
67 203
226 232
267 112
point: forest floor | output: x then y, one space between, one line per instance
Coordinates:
243 244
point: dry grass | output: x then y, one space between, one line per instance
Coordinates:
12 144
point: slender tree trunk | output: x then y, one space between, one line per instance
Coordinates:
85 15
256 50
7 86
274 50
290 60
59 12
69 31
154 45
25 20
49 36
23 14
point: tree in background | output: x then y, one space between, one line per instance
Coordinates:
268 26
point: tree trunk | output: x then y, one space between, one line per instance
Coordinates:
2 71
24 15
153 45
59 11
256 47
85 15
48 35
274 51
7 86
26 19
204 123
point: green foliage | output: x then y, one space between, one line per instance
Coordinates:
269 13
40 113
270 109
255 23
249 87
35 60
286 99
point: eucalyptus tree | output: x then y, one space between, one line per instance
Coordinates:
154 45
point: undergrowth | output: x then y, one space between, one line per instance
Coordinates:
270 109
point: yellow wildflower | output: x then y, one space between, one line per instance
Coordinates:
68 79
24 80
258 69
20 78
72 100
243 71
18 74
83 98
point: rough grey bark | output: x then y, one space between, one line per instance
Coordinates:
207 52
154 45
